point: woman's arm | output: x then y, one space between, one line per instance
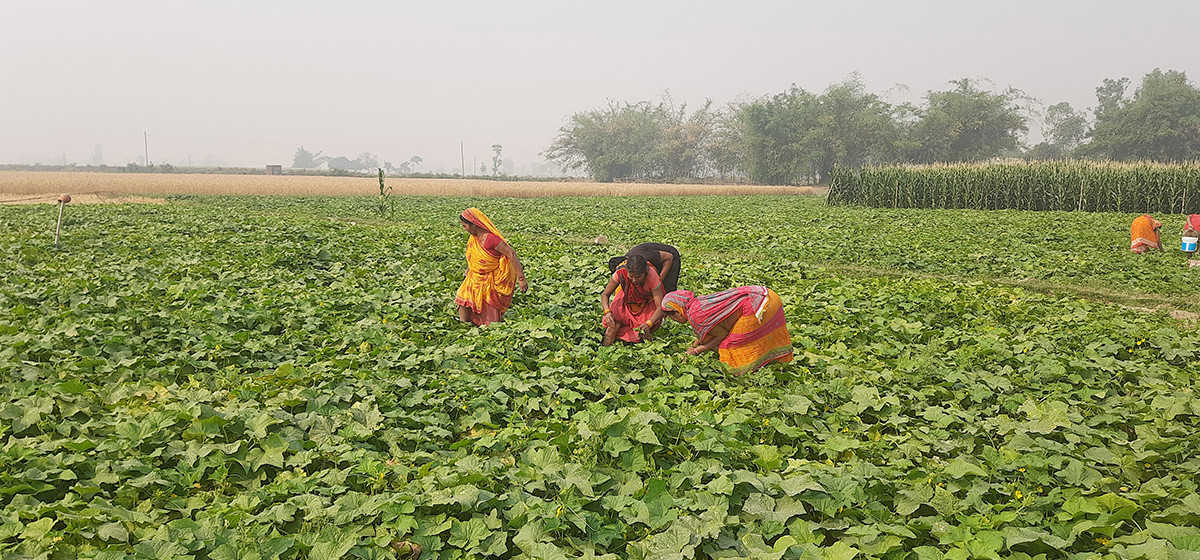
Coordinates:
504 249
657 316
716 336
666 259
604 299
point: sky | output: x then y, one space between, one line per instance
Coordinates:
248 82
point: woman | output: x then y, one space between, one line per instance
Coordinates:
492 271
1144 234
636 292
745 325
663 257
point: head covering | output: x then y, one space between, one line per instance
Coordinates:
705 312
677 301
478 218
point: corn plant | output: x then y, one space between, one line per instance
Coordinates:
1080 186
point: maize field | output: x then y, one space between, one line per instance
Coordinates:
1072 186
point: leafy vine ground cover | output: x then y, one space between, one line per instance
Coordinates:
284 378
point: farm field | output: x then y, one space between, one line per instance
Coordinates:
284 377
42 186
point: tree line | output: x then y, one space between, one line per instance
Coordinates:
799 137
366 161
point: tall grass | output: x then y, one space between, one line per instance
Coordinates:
1087 186
15 184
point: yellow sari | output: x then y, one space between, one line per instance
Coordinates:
488 288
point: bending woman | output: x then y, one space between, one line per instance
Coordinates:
663 257
493 270
636 292
1143 234
745 325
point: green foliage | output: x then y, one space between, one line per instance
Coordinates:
385 206
1066 130
966 124
639 141
796 137
1068 185
280 378
1160 122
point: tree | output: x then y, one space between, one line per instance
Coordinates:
797 137
415 161
1160 122
496 159
343 163
1066 130
367 160
966 124
641 140
305 159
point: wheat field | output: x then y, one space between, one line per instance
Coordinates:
45 186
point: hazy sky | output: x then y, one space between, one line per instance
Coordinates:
247 82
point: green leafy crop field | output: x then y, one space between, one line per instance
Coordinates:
224 377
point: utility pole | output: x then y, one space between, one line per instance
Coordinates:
462 159
146 140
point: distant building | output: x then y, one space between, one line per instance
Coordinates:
274 170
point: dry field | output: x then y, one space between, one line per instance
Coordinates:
42 186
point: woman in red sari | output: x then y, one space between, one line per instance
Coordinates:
493 271
636 292
744 325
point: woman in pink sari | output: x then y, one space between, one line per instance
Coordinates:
636 292
744 325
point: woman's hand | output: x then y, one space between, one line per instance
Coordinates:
523 284
695 350
606 319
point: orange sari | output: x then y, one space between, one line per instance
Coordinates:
1144 234
487 290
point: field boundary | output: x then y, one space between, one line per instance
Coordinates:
29 183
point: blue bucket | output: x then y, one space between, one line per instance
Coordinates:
1188 244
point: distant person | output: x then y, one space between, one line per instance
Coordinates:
1190 233
744 325
493 270
637 292
1144 234
663 257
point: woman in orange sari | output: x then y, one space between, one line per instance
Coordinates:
744 325
493 271
1144 234
636 292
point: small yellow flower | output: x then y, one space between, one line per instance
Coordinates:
1022 469
1018 494
1103 541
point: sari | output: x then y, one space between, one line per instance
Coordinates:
1192 223
1144 234
759 336
487 290
632 304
